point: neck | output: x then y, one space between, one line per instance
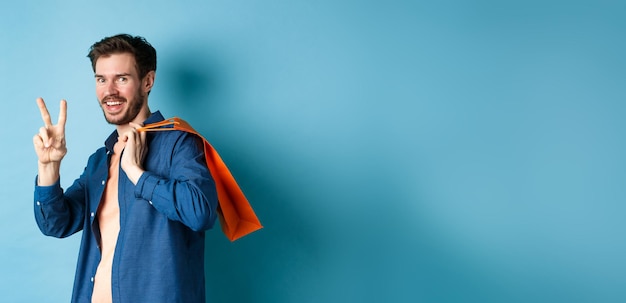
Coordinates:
139 119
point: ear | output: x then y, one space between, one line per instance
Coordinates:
148 81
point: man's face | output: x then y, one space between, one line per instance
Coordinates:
120 92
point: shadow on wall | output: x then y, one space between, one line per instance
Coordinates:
256 267
361 233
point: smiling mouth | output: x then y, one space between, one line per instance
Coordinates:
113 103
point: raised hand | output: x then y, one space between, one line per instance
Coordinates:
50 141
135 151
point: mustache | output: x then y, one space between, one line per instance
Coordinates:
113 98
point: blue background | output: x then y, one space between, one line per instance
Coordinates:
396 151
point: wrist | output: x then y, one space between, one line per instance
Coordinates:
48 173
133 173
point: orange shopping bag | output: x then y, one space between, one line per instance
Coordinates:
236 216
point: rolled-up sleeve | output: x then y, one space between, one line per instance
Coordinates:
188 194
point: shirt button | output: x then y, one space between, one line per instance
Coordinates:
91 279
103 182
92 214
38 203
150 202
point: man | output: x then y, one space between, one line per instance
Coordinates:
143 201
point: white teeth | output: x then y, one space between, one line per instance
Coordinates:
113 103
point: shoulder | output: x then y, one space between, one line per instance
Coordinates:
175 140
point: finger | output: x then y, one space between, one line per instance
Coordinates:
123 137
142 137
129 145
62 114
135 125
130 137
45 138
37 141
45 115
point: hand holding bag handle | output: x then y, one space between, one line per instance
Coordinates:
236 216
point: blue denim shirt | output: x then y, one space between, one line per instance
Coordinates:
159 256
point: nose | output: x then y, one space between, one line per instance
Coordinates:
110 88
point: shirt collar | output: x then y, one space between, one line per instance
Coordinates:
112 139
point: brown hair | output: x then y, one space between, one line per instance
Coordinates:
144 53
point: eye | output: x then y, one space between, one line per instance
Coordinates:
122 79
100 80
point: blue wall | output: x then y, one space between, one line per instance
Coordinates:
396 151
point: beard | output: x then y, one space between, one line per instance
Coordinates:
134 107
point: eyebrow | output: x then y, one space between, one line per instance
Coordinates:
116 75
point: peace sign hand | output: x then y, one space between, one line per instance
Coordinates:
50 141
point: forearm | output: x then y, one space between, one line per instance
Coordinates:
191 202
48 173
182 190
133 173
